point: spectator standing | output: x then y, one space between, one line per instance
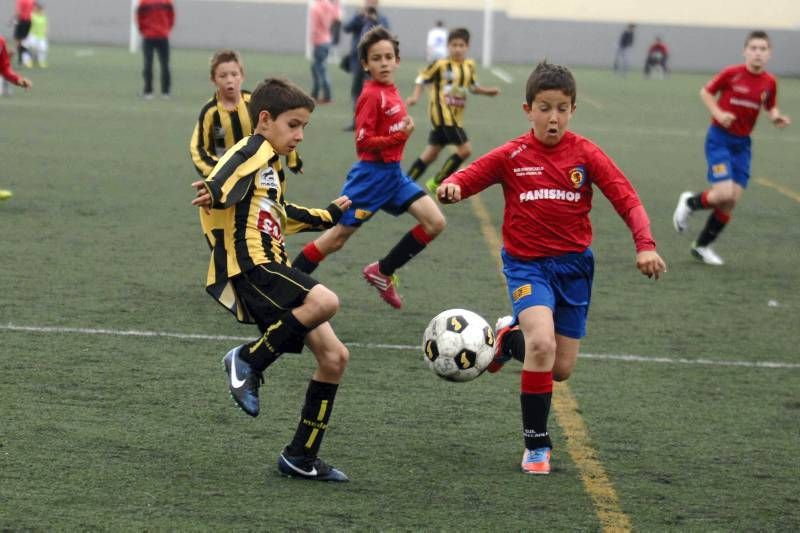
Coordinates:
323 14
155 19
621 59
657 56
361 23
36 43
436 45
22 27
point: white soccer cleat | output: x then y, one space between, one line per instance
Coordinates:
707 255
680 218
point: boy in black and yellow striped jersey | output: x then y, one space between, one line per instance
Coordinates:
291 308
450 80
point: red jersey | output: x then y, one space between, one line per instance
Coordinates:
24 9
5 64
155 18
380 111
548 194
743 93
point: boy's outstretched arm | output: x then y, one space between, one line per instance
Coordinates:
414 98
486 91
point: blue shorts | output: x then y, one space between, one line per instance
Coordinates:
562 283
728 156
372 186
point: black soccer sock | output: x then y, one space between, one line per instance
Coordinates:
536 392
450 166
308 259
417 169
698 201
410 245
714 225
514 345
313 419
266 350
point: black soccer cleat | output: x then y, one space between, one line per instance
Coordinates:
243 381
312 468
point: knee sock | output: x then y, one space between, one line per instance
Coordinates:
308 259
263 352
450 166
714 225
536 391
313 419
410 245
698 201
417 169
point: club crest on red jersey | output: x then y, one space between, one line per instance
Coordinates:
577 176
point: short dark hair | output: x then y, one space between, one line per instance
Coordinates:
276 96
547 76
756 34
376 35
225 56
458 33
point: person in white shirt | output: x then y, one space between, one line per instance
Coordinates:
437 42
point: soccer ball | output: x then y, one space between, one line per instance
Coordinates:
458 345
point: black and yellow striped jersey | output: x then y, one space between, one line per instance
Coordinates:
218 129
248 188
449 83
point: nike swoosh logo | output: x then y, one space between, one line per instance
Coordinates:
235 381
310 473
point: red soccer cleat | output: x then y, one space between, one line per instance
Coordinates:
501 327
386 285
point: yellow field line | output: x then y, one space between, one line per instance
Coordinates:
783 190
593 475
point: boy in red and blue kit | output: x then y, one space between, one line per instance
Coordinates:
7 73
743 91
376 181
547 176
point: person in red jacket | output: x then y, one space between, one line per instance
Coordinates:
7 73
155 19
22 27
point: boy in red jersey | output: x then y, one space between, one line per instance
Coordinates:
376 181
547 176
743 91
7 73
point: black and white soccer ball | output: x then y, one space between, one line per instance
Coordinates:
458 345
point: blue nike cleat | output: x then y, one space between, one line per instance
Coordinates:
243 381
312 468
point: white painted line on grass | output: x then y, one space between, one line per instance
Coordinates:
379 346
503 75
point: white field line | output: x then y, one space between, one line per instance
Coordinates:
378 346
503 75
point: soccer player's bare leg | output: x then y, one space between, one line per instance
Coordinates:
381 273
536 386
566 357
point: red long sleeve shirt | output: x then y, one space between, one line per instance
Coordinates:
743 94
548 194
5 64
155 18
380 111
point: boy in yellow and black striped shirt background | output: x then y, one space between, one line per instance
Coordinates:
290 307
450 80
